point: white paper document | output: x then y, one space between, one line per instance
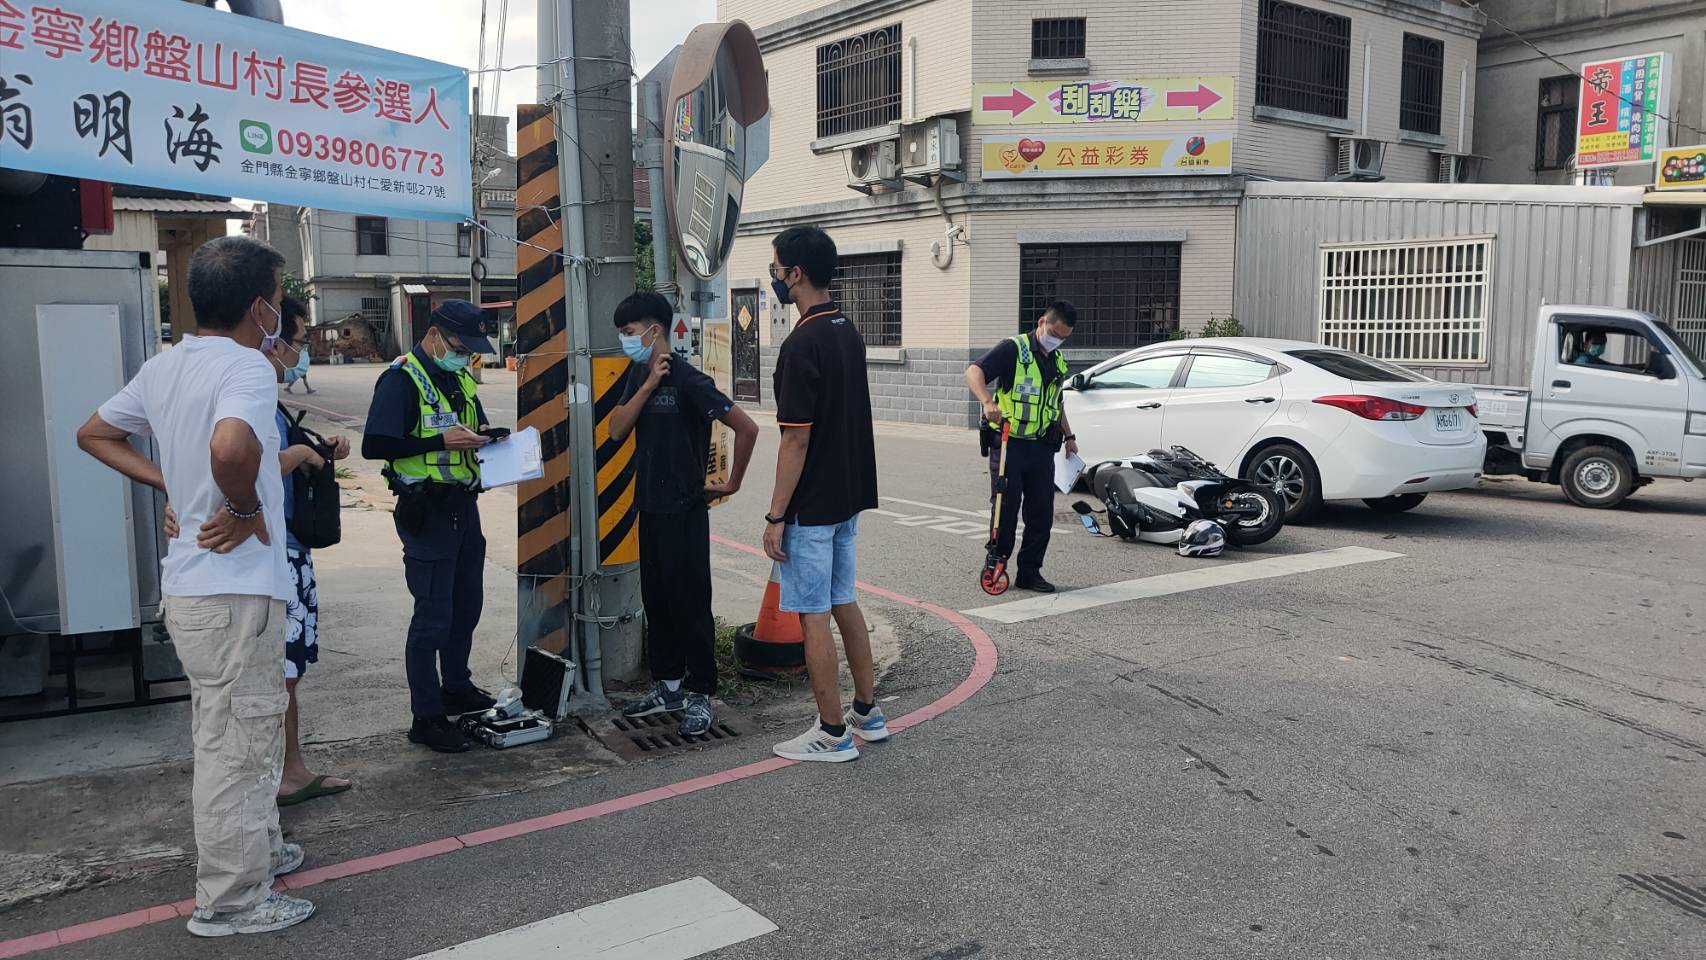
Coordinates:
1067 467
513 459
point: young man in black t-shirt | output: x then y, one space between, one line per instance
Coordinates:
670 405
826 472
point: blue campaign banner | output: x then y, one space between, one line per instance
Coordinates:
162 93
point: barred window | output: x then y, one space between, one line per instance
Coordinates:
1555 126
867 288
858 82
1127 294
376 309
1421 303
1303 59
1423 79
370 236
1059 38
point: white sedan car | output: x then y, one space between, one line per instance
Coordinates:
1315 423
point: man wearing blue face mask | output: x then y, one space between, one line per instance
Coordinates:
426 422
669 406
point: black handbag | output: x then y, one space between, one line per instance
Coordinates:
315 498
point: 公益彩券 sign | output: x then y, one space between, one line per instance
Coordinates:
1096 101
1026 158
1681 168
181 97
1617 121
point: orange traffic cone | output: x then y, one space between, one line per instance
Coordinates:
773 648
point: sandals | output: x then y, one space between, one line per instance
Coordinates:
316 788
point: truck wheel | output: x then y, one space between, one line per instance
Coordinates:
1395 504
1597 477
1291 473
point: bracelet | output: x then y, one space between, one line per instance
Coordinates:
772 521
1071 436
233 511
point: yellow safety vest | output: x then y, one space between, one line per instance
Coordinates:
1028 404
439 466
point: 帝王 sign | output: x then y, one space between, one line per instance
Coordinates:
181 97
1680 168
1618 123
1016 158
1095 101
717 362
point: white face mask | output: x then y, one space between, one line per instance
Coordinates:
1049 341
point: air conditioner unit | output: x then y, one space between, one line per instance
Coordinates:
1360 158
873 166
930 149
1457 167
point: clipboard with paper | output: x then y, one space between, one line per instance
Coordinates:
512 460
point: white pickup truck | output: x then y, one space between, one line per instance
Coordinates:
1614 399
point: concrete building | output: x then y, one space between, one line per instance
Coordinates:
1526 109
1103 150
393 272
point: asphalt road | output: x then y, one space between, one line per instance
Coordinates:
1490 745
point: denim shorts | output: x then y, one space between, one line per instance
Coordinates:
818 573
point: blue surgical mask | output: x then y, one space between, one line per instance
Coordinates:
1596 349
269 340
293 374
636 348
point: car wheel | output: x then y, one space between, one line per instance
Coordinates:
1597 477
1289 472
1395 504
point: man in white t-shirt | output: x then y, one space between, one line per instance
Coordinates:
209 405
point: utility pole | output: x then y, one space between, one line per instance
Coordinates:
578 547
476 237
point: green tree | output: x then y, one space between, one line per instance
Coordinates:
165 304
645 276
295 287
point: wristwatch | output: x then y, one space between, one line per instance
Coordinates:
768 519
1070 437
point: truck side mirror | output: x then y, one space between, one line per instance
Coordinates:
1078 382
1659 365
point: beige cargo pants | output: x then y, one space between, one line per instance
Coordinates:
232 649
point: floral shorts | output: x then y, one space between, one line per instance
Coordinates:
301 616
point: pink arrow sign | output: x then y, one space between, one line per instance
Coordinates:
1201 98
1014 103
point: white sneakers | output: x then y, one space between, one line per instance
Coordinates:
276 912
815 744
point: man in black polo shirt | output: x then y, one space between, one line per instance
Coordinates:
669 406
826 472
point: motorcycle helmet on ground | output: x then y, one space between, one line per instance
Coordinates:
1203 538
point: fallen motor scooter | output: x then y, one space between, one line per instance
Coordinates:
1155 497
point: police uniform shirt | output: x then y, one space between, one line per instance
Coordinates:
395 412
998 365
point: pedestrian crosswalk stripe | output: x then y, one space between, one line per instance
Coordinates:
1197 578
677 921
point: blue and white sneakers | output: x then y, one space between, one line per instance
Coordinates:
869 727
696 715
815 744
660 700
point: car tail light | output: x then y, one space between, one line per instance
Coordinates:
1374 408
1475 410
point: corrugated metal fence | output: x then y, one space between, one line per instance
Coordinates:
1331 262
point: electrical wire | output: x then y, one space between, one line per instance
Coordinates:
1577 71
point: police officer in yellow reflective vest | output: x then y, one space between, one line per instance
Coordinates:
1026 374
427 423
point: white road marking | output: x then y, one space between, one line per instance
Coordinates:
1198 578
982 515
673 922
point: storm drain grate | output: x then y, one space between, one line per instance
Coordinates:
637 738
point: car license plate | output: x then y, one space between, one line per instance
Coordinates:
1448 421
